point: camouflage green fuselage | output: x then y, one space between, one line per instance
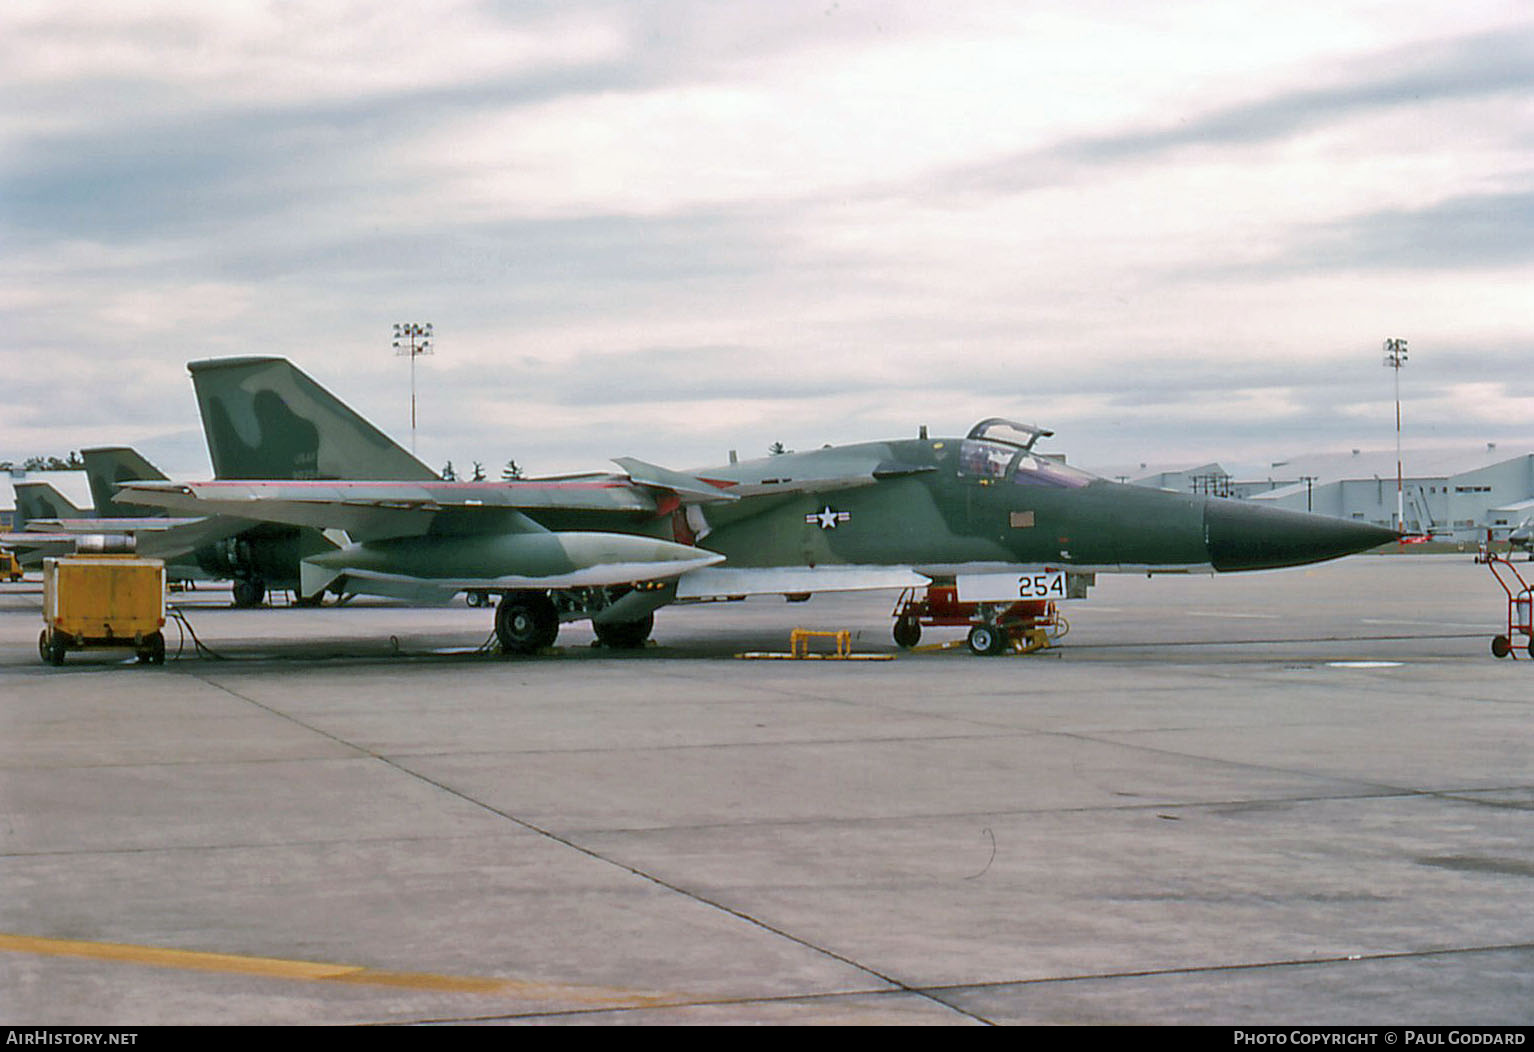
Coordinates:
935 506
946 515
939 505
928 511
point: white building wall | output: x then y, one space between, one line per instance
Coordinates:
1457 506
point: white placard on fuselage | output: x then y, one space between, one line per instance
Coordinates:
1011 587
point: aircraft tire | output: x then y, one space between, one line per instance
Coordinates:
986 640
625 635
249 592
526 622
907 632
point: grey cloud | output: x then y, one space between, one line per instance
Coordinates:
1483 65
1480 231
1488 64
125 175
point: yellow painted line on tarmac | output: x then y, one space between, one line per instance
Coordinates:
319 971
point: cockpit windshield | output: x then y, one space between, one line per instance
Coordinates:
986 460
1041 471
1000 460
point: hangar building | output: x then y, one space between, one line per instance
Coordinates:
1452 494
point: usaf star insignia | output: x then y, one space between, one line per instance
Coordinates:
826 518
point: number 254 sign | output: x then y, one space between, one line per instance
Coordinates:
1006 587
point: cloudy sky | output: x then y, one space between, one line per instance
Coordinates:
671 228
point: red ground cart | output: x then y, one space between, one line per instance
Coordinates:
1520 609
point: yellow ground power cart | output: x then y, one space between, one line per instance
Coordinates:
103 601
10 568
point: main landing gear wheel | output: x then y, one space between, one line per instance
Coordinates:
625 635
248 592
987 640
526 622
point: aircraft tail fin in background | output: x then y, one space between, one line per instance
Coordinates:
264 418
40 500
106 467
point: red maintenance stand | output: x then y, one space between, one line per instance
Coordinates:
994 628
1520 609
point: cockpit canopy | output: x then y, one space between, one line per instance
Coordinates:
983 432
994 457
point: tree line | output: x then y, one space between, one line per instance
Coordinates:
73 462
511 472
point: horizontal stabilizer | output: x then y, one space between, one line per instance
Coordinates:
395 509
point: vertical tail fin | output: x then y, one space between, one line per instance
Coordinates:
265 419
106 467
40 500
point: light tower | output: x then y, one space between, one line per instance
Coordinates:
414 340
1395 357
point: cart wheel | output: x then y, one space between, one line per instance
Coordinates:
56 651
42 645
986 640
907 632
157 649
1531 646
1501 646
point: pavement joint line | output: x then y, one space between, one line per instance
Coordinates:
553 837
1381 794
1241 966
691 896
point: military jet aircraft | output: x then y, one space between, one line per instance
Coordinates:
256 556
42 501
40 511
47 523
615 547
55 526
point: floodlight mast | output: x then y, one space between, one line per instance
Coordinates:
1395 357
415 340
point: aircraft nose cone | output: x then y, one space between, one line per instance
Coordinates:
1246 536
